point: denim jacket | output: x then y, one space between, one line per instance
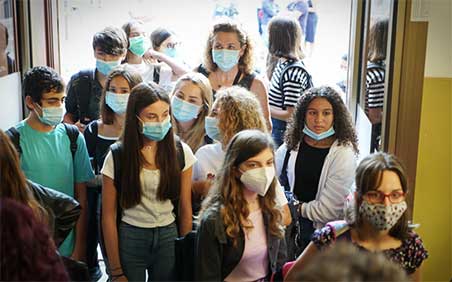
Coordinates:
216 257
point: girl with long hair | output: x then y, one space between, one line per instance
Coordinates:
380 221
234 110
190 104
149 180
318 158
289 77
99 135
240 236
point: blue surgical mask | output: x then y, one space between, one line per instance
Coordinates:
211 126
139 45
184 111
51 116
117 102
106 66
171 52
320 136
225 59
156 131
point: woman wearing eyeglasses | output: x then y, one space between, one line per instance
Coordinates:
380 224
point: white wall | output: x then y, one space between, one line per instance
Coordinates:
11 105
439 39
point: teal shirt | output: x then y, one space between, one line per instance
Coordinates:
47 159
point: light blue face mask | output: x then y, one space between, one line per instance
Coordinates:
171 52
184 111
320 136
225 59
139 45
106 66
211 126
51 116
117 102
156 131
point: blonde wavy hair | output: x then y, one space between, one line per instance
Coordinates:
239 110
195 138
246 60
227 196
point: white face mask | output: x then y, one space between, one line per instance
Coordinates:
258 179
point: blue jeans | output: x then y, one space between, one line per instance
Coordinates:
278 130
150 249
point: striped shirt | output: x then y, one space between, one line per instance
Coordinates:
294 82
375 85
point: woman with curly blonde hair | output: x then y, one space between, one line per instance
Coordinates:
228 61
240 236
234 110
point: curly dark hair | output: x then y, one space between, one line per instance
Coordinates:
27 250
40 80
343 125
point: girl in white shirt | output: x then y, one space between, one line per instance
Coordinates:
150 178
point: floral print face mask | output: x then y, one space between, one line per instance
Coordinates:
380 216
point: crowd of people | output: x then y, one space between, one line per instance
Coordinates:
143 149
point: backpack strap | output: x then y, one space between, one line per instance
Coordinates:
156 74
14 136
72 132
283 179
91 143
298 64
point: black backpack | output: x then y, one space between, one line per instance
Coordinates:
293 230
71 131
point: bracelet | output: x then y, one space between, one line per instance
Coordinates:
117 275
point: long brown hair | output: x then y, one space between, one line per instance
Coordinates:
13 183
284 38
141 96
195 138
130 75
378 40
369 175
246 61
227 192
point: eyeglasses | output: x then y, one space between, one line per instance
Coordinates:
172 45
378 197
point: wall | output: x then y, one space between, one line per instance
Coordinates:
433 197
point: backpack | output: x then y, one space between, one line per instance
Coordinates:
298 64
71 131
293 230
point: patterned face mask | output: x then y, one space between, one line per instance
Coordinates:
382 217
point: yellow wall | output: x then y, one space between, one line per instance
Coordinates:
433 197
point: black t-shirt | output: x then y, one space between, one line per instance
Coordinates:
308 168
97 146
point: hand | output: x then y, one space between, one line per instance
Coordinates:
80 126
152 55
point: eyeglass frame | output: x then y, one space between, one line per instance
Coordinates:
385 195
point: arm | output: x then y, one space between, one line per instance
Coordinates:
281 114
109 226
79 252
260 90
286 217
301 261
185 211
177 68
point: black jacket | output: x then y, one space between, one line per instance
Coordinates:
63 211
216 257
